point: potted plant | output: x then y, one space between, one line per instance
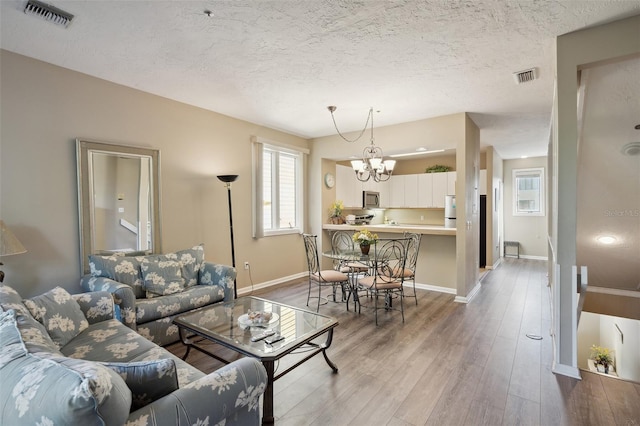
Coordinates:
335 212
364 238
438 168
601 356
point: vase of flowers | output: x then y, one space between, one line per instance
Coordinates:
364 238
601 356
335 212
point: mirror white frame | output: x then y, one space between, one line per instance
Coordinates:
147 239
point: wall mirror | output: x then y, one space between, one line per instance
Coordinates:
118 199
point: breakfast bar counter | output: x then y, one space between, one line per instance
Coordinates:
436 268
395 229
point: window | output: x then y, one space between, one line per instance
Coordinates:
528 192
278 183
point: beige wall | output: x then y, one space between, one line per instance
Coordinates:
468 209
44 108
573 51
495 199
530 231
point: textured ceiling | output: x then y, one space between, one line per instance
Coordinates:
279 63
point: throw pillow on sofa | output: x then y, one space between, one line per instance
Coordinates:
191 261
162 277
128 269
59 313
147 380
123 269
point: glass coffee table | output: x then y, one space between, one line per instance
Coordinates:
228 324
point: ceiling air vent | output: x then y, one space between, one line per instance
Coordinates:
525 76
48 13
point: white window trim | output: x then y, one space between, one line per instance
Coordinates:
258 145
515 173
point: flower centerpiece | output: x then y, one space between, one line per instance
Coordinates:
601 356
364 238
335 212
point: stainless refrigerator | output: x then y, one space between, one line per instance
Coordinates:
450 211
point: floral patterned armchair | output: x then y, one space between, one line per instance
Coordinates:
65 360
151 290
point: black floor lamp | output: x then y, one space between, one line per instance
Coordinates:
227 179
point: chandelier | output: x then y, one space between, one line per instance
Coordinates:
373 165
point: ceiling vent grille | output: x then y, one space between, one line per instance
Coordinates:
48 13
525 76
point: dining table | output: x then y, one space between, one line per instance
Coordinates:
354 260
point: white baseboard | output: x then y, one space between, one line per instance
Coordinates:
495 265
430 287
526 256
470 296
247 290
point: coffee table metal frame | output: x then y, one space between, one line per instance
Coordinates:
280 349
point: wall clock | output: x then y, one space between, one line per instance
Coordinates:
329 180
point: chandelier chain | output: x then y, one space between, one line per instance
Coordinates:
373 165
369 117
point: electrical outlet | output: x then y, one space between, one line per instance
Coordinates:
246 265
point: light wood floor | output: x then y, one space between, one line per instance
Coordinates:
448 364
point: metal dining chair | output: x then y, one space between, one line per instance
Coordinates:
412 262
321 278
387 276
342 242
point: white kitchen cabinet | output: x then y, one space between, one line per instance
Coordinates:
410 190
451 183
483 182
439 190
383 189
432 188
396 191
348 187
425 190
403 191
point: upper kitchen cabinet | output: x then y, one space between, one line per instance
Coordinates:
411 190
432 188
403 191
440 186
348 188
425 190
451 183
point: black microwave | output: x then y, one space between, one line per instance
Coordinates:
370 200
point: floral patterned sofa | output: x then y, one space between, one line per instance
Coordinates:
151 290
65 360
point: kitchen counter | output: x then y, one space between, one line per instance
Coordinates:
436 269
395 229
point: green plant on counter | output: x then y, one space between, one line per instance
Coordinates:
438 168
336 209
